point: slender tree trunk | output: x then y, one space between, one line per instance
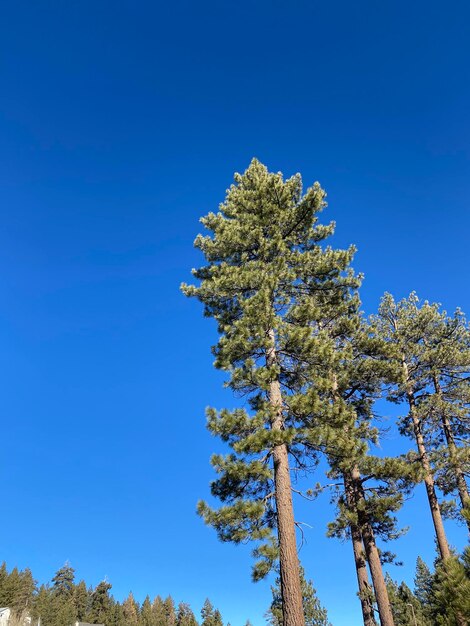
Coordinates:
459 475
442 542
365 590
372 553
291 592
460 478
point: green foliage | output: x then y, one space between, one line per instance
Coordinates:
161 612
64 613
423 583
429 360
210 616
131 611
81 600
185 616
146 616
368 488
64 602
315 614
100 605
440 598
63 582
450 597
406 607
17 589
266 280
42 607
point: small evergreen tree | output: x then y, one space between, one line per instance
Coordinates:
130 610
3 583
43 608
81 601
406 607
423 584
65 613
146 615
314 613
450 599
159 612
210 616
116 615
11 587
22 594
185 616
63 582
444 595
169 611
100 607
16 590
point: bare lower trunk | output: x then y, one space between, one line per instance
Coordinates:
289 564
291 592
380 589
458 473
365 591
432 498
372 553
442 543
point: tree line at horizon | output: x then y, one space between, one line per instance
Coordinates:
310 367
64 602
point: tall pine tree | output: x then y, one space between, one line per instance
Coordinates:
264 260
445 409
341 376
402 327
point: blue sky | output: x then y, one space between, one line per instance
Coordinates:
120 125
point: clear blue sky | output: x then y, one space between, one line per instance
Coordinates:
120 124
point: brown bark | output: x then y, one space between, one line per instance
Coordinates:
365 591
442 542
291 592
459 475
372 553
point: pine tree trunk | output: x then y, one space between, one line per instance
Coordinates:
428 477
459 475
365 591
372 553
291 592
